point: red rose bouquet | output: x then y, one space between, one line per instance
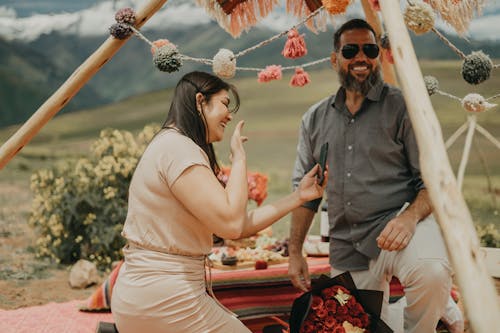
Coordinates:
257 184
336 305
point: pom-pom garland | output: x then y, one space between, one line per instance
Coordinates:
272 72
476 67
120 30
419 17
476 103
300 78
167 58
224 64
432 84
126 16
336 6
295 46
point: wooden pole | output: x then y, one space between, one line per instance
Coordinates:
476 285
451 140
373 20
471 121
71 87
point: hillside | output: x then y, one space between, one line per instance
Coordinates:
30 73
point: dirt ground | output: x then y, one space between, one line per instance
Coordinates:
25 280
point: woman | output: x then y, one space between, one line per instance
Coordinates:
176 204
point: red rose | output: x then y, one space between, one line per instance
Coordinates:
356 322
342 310
364 320
328 293
330 321
321 313
338 329
342 318
307 327
351 302
331 305
317 302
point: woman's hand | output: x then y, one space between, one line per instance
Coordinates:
308 187
237 140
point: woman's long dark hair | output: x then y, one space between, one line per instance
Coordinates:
184 115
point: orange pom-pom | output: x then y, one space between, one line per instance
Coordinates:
300 78
336 6
272 72
159 43
295 46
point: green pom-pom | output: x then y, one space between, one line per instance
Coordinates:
476 67
167 58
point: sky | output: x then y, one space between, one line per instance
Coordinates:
26 20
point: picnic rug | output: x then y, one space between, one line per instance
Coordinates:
51 318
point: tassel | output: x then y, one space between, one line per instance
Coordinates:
375 5
336 6
295 46
272 72
388 56
300 78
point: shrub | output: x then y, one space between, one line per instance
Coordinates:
79 207
488 235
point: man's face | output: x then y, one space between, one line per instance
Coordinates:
358 71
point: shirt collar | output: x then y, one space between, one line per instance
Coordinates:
373 95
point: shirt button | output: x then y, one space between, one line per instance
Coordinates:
356 244
352 120
349 203
349 175
349 147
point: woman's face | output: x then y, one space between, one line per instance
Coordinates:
217 115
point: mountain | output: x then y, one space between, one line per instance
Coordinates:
31 69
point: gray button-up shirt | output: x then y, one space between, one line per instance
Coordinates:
374 169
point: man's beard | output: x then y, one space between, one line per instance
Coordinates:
349 82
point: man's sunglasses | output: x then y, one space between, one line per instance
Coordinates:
349 51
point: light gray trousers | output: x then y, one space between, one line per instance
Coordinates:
424 270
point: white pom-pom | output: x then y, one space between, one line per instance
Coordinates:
476 103
224 64
419 17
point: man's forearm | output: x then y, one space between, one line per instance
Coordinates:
301 221
421 207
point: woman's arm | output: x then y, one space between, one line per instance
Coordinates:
266 215
222 210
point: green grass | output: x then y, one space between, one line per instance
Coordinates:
272 114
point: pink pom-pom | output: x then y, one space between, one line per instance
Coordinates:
272 72
300 78
295 46
375 4
159 43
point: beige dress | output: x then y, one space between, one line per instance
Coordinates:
161 286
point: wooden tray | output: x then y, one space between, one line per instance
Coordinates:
245 264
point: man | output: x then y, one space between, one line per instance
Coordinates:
374 170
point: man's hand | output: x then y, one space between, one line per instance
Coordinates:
397 233
298 271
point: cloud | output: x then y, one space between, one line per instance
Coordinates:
94 21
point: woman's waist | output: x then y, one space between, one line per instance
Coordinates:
138 257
